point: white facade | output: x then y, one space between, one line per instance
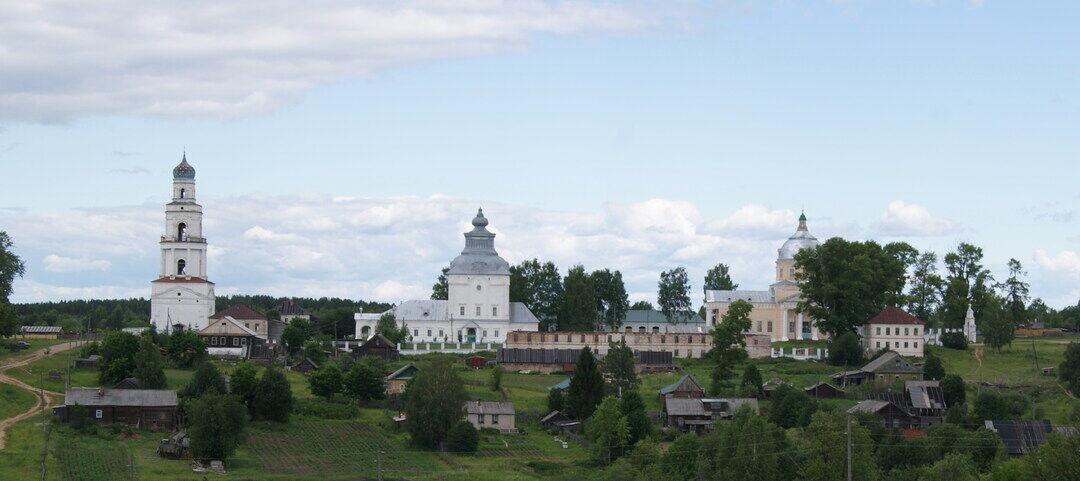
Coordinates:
478 307
906 339
182 295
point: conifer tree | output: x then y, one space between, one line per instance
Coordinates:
149 365
586 389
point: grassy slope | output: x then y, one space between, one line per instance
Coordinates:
14 400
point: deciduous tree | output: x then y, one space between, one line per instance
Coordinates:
952 388
149 365
388 327
1069 369
217 424
327 381
965 285
433 404
925 288
207 378
825 450
364 382
633 408
608 431
577 310
117 357
846 350
555 400
729 343
612 301
185 349
619 367
244 382
933 368
463 438
641 306
11 266
440 291
718 278
673 294
746 448
1015 294
539 286
273 396
751 379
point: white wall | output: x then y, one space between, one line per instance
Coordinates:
494 292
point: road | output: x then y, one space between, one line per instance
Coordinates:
36 410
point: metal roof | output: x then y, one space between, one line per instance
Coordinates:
41 329
479 256
890 362
869 406
801 239
684 407
438 310
489 407
92 396
537 356
685 383
657 317
1020 436
731 296
564 384
406 372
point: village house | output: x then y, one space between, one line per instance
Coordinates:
824 390
289 310
305 366
680 345
564 360
557 422
686 387
151 409
498 415
378 346
896 330
698 415
892 415
888 368
41 332
264 328
90 361
226 336
397 381
1021 437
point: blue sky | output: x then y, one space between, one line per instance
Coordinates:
631 135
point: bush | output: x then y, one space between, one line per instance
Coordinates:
545 467
846 350
463 438
954 340
321 408
933 369
89 349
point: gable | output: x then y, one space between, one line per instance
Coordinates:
225 327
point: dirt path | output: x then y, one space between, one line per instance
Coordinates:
978 357
36 410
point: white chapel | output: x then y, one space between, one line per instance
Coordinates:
182 297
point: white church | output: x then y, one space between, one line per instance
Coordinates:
478 307
182 297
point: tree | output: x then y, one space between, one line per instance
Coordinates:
217 423
273 396
612 301
641 306
633 408
314 351
327 381
924 293
953 390
825 449
954 467
440 291
1054 461
206 379
673 294
619 367
933 369
729 344
844 283
364 382
9 321
747 447
336 321
751 379
577 309
791 407
117 357
679 461
496 378
996 327
244 382
1014 293
1069 369
954 340
185 349
555 400
463 438
295 334
116 319
719 279
991 405
1070 317
965 285
433 404
607 431
586 387
149 365
387 326
846 350
10 266
539 286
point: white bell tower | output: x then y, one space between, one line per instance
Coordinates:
182 296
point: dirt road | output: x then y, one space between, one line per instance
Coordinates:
36 410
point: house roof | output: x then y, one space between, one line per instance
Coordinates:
564 384
215 327
41 329
685 383
489 407
731 296
308 361
870 406
378 340
537 356
894 315
92 396
554 416
405 372
1020 436
925 394
239 311
822 384
654 317
890 362
437 310
684 407
290 308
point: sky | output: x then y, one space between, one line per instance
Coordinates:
342 148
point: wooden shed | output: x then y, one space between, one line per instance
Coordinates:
152 409
824 390
378 346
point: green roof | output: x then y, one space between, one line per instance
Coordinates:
564 384
677 384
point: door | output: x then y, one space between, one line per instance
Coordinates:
470 334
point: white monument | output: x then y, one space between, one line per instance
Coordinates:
182 297
969 325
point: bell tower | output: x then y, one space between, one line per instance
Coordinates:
182 296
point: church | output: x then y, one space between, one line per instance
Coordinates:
477 308
774 309
182 297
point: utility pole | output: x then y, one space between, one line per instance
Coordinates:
378 465
849 448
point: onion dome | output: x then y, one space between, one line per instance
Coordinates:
479 256
183 170
802 239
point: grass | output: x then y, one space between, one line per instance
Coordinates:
14 401
35 344
86 458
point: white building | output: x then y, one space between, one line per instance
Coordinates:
478 307
895 330
182 296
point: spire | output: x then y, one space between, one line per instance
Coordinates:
802 221
479 222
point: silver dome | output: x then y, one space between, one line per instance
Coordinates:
479 256
802 239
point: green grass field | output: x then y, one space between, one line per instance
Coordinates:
14 400
35 344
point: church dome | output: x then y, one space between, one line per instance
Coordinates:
183 170
802 239
479 256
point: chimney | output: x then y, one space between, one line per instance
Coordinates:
101 392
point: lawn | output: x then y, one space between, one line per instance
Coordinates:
37 373
14 400
35 344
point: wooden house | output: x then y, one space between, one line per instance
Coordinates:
397 381
556 421
887 368
824 390
686 387
290 310
1023 436
698 415
227 336
892 415
251 319
90 361
491 414
378 346
127 383
41 332
305 366
152 409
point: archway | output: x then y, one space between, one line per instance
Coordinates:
470 334
180 266
183 193
181 231
365 332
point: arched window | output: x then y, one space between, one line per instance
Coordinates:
181 231
180 264
183 193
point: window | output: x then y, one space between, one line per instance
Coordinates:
715 314
676 338
877 344
791 326
494 419
183 193
243 341
915 331
792 272
916 345
886 331
886 344
877 330
478 287
480 418
905 345
758 326
213 341
256 326
494 311
676 353
485 333
247 325
478 311
180 265
496 333
462 311
97 413
662 340
429 333
582 338
905 331
441 334
416 333
181 231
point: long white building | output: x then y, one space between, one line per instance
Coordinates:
478 307
182 297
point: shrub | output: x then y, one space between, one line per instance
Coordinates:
324 409
933 369
846 350
463 438
545 467
954 340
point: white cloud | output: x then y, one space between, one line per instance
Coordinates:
756 220
902 219
55 263
1064 262
209 58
